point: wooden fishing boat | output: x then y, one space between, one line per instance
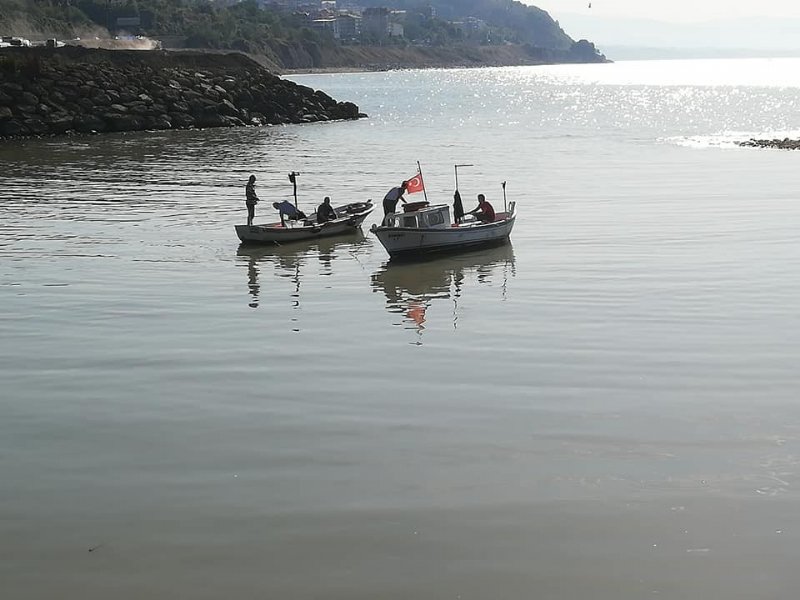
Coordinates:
422 229
348 219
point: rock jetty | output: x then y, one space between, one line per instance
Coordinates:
78 90
784 144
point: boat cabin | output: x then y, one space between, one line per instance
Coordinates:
420 215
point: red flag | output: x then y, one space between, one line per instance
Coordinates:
415 184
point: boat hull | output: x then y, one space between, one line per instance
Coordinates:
408 243
275 233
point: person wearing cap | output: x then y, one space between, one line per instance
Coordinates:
325 211
392 197
251 199
484 210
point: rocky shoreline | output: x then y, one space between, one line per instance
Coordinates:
780 144
78 90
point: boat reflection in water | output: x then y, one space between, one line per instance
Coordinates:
411 288
292 261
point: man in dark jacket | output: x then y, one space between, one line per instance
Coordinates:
251 199
392 197
325 211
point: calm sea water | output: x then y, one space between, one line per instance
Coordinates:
606 408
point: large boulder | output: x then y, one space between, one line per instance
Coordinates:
12 89
162 122
88 124
5 99
343 110
13 127
210 117
180 106
36 126
28 98
227 109
119 122
181 120
59 122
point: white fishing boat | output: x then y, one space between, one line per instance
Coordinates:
423 229
348 219
426 229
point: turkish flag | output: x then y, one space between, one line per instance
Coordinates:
415 184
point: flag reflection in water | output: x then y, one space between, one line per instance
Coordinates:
412 288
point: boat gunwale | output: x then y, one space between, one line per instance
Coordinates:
278 227
451 228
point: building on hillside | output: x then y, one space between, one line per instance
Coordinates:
375 22
326 25
289 4
471 27
349 26
324 13
129 24
397 19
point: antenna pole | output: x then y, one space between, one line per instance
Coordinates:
456 170
293 178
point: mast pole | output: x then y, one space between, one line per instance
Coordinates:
424 191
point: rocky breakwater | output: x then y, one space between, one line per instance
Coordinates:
65 90
780 144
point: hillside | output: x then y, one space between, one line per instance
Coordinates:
452 33
511 20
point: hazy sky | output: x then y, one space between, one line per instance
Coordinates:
673 10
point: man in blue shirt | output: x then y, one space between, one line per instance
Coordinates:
288 210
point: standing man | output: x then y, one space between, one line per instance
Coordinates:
392 197
251 199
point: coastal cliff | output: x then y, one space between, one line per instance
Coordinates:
52 91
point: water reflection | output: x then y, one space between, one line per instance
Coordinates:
292 261
411 288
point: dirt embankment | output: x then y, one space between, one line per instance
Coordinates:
50 91
421 57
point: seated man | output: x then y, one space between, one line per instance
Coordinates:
484 211
288 210
325 211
